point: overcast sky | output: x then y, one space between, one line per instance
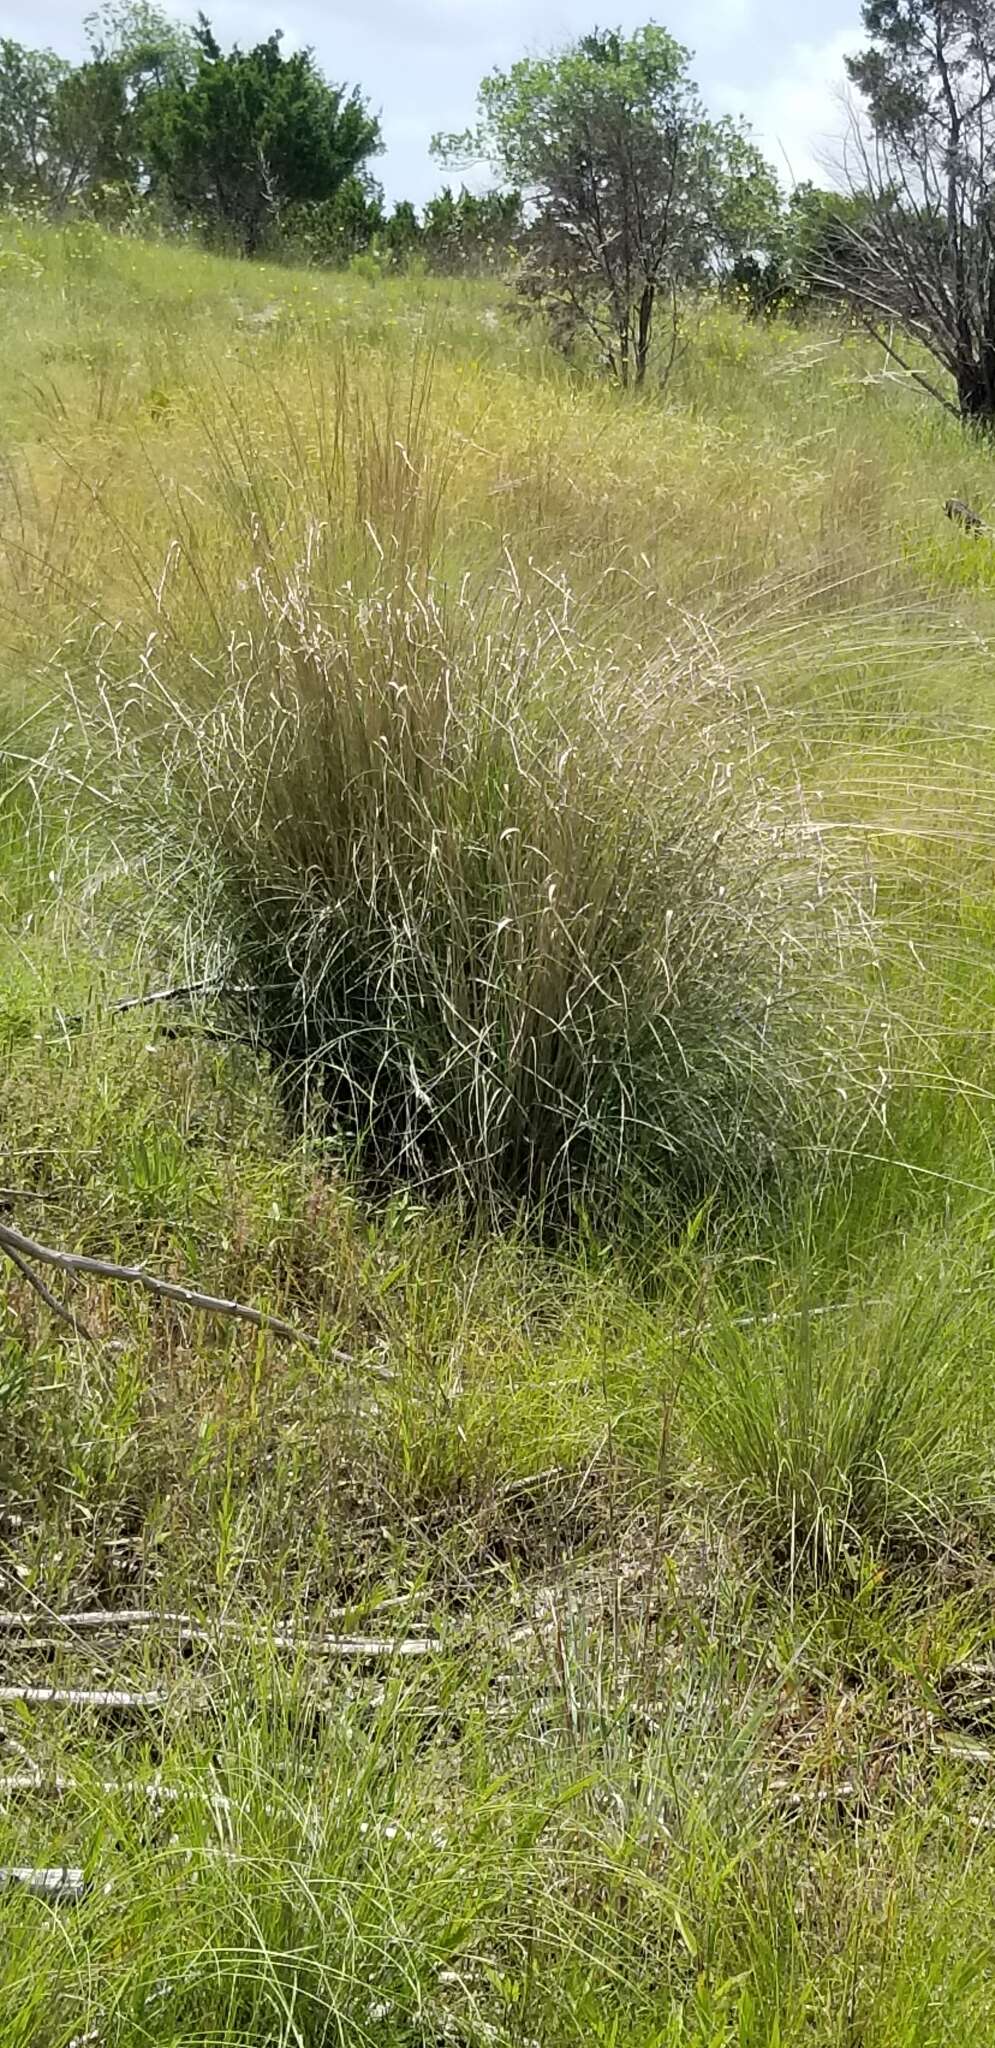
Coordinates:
419 61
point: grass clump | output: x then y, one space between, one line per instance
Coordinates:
848 1427
530 926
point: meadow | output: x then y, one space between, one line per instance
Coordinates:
569 820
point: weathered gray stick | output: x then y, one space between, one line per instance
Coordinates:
58 1308
73 1696
107 1620
27 1252
63 1885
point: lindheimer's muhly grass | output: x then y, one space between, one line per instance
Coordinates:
532 928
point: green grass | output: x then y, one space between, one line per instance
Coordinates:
862 1427
315 592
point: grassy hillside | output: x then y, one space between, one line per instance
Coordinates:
586 1635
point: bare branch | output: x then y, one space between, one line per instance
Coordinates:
26 1251
51 1300
110 1700
99 1620
65 1885
182 992
887 342
925 259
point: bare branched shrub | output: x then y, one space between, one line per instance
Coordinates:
914 249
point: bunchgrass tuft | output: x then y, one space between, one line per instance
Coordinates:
534 930
847 1427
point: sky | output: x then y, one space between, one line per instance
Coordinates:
419 62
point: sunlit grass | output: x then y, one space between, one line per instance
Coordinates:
696 1500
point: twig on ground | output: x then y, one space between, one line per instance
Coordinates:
18 1620
58 1308
62 1784
25 1252
73 1696
178 993
157 998
175 994
93 1621
65 1884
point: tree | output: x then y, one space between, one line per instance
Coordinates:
68 132
631 192
925 258
93 143
825 231
253 131
812 248
329 231
135 53
402 233
29 84
152 50
471 230
63 129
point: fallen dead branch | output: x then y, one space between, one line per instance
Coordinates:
165 998
73 1696
180 992
64 1884
25 1253
186 1629
18 1620
63 1784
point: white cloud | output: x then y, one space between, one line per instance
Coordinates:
798 114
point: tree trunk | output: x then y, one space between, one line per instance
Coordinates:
975 397
623 353
644 330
